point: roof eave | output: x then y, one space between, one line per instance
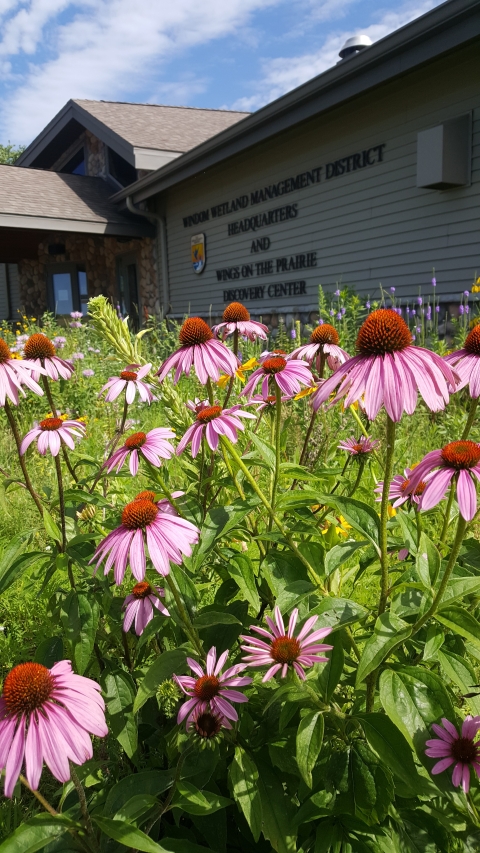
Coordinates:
80 226
438 32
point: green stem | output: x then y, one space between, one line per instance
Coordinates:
361 467
457 544
18 441
278 434
471 418
358 420
210 392
113 444
232 380
169 798
390 440
232 475
419 527
61 501
82 800
271 512
446 517
41 799
189 629
166 492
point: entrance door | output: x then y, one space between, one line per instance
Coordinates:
67 289
127 284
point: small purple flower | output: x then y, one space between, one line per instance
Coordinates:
339 315
75 324
332 312
293 334
429 312
77 356
418 329
437 309
337 293
88 373
139 606
59 342
280 649
392 290
344 310
434 282
414 313
461 750
76 315
467 309
419 300
461 310
212 689
368 305
466 293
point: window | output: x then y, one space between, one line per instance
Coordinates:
128 288
120 169
76 164
67 289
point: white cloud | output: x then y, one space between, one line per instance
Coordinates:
111 49
282 74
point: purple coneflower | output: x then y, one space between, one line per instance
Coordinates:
466 362
283 649
400 490
14 373
130 380
47 715
146 524
265 402
389 371
211 690
323 345
236 318
41 352
289 376
197 405
461 750
212 422
359 446
50 434
207 726
153 446
209 357
139 606
458 460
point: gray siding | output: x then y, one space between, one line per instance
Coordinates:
368 226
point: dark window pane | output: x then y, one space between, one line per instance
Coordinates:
62 293
119 169
82 283
76 165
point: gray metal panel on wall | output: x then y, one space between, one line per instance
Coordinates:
368 226
4 307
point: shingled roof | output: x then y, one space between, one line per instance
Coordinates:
161 127
34 198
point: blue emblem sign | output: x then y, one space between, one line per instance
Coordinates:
199 258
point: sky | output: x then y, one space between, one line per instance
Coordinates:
224 54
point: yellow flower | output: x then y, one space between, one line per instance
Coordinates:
341 529
239 373
84 419
391 511
306 392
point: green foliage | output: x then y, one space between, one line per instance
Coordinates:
10 153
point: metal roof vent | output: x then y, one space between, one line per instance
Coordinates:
354 45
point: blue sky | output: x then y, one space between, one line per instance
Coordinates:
236 54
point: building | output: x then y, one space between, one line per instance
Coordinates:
367 174
62 238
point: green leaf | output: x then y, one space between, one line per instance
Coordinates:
267 452
409 530
244 784
214 617
148 782
36 833
360 515
79 616
11 569
298 498
240 568
330 672
361 783
338 612
427 561
119 695
218 522
309 743
182 845
388 631
193 801
414 698
49 651
462 673
460 621
458 587
339 554
127 834
162 668
434 641
276 810
386 741
136 807
51 527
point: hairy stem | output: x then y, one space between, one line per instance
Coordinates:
387 479
83 801
189 629
232 475
113 443
18 441
232 379
446 517
61 501
311 571
471 418
278 434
